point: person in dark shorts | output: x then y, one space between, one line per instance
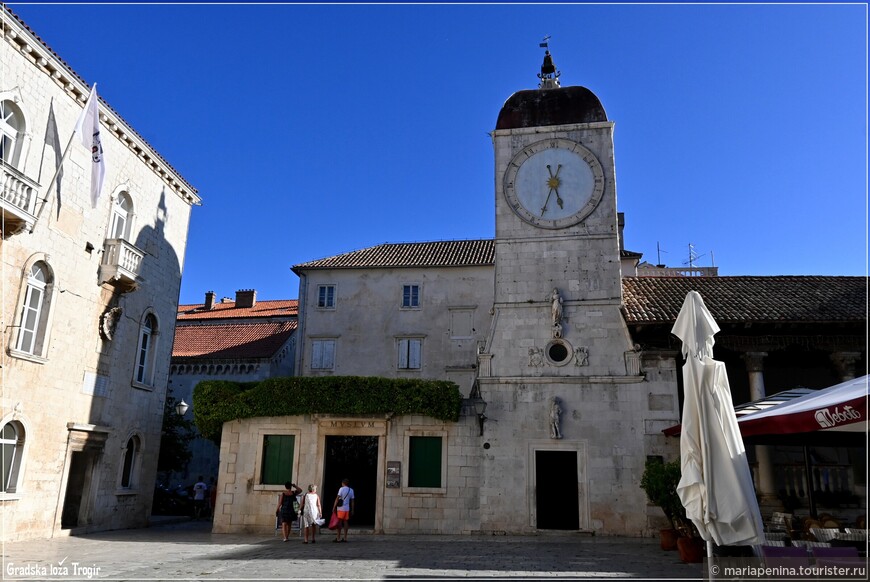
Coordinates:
286 510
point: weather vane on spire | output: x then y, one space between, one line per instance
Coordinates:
549 76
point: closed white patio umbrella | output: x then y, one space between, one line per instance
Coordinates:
716 486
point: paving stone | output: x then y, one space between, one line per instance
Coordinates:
189 550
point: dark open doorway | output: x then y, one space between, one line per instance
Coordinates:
76 490
356 458
556 492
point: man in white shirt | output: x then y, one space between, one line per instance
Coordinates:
199 491
343 508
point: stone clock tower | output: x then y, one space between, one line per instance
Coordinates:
557 369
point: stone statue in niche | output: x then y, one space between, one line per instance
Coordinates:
536 357
581 357
556 308
109 322
555 418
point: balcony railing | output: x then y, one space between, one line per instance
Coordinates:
18 201
833 485
678 271
122 264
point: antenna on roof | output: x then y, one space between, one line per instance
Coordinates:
693 256
659 252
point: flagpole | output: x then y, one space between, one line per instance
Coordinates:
76 130
53 179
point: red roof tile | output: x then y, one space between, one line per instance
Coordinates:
451 253
654 299
228 310
786 299
231 340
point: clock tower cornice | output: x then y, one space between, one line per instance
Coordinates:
552 130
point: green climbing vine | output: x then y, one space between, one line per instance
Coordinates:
216 402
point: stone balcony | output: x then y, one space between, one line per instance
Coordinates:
17 201
121 265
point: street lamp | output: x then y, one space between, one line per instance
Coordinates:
480 408
181 408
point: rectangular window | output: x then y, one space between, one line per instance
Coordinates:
424 460
410 351
277 466
323 354
326 296
410 296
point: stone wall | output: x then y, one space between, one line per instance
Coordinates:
77 399
244 504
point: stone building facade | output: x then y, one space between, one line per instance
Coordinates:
89 296
240 340
563 351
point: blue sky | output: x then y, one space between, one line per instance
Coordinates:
315 130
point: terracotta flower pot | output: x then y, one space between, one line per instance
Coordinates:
691 550
668 539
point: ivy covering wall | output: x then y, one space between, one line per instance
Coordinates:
216 402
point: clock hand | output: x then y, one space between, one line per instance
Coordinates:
547 201
553 182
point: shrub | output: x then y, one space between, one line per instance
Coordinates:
216 402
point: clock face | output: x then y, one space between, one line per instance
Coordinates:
554 183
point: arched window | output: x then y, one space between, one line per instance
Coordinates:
34 311
11 128
122 212
11 445
145 353
131 458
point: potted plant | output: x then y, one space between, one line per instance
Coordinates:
659 481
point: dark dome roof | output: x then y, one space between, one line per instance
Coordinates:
541 107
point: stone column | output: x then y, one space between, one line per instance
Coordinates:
846 362
766 483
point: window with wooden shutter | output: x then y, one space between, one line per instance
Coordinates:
322 354
424 460
410 353
277 466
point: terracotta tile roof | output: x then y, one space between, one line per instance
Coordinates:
783 299
803 299
451 253
228 310
231 340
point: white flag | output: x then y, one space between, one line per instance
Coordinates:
88 128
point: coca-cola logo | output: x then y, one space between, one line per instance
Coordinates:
827 419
